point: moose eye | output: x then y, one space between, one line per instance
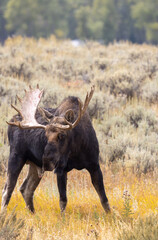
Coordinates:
61 136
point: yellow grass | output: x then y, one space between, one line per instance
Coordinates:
84 217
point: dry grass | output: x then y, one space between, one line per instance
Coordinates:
131 198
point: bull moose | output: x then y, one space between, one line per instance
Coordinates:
49 139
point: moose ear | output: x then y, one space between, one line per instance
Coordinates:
45 113
69 116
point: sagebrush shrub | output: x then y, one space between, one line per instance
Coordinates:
10 226
141 229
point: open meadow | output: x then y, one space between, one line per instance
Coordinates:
124 113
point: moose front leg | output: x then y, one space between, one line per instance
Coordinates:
29 186
97 181
62 182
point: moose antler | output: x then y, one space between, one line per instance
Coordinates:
82 110
28 108
30 103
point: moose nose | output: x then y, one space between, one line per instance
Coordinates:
48 166
49 151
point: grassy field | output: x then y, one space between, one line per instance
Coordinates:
134 203
124 113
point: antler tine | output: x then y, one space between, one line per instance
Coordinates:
79 114
17 110
85 105
13 123
28 107
19 98
89 96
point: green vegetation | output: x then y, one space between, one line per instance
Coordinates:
103 20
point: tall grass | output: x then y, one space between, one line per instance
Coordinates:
134 203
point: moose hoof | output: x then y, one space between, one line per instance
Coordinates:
106 207
31 209
63 205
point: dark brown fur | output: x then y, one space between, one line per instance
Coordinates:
51 149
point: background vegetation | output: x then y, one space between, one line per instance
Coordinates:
103 20
124 113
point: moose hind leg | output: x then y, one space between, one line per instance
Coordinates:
97 181
62 182
15 166
29 186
